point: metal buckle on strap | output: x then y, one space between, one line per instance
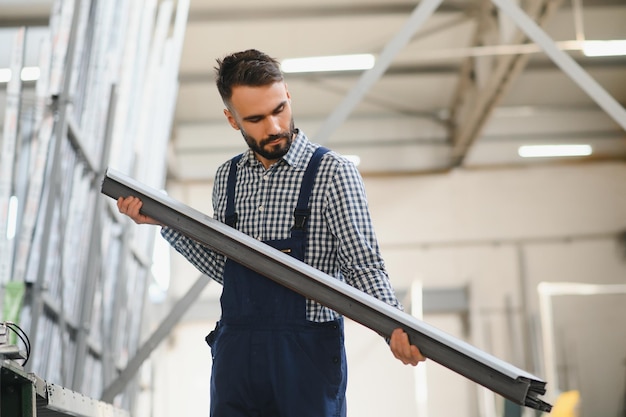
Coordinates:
300 218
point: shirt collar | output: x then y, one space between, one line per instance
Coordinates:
295 157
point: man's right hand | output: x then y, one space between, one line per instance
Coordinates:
130 206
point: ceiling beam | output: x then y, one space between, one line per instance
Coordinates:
566 63
200 15
431 141
475 107
465 81
423 11
38 13
617 62
307 11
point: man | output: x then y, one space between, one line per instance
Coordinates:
276 353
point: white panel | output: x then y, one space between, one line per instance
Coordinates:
371 368
448 395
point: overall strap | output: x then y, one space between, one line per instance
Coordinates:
302 211
231 217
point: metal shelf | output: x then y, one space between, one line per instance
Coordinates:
27 395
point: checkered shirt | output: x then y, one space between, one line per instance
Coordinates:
341 240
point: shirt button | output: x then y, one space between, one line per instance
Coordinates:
261 208
265 177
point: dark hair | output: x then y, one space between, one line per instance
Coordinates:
249 68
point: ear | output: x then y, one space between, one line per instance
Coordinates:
231 119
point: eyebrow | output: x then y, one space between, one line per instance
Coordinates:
262 116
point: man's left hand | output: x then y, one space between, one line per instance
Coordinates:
403 350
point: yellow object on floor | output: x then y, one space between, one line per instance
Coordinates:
566 405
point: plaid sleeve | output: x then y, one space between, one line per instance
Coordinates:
349 220
204 259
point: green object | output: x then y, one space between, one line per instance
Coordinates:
13 298
17 393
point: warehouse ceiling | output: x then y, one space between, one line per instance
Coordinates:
456 83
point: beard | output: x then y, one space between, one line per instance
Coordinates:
271 152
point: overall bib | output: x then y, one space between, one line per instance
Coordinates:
268 359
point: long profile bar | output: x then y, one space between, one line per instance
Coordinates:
497 375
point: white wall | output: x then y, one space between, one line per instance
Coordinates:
499 232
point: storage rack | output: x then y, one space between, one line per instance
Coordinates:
106 90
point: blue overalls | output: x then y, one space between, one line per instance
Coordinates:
268 359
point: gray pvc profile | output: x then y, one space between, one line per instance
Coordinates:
497 375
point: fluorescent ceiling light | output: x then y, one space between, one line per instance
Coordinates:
5 75
27 74
30 73
604 48
546 151
329 63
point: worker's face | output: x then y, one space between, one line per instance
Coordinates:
263 115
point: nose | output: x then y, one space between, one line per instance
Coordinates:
272 125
